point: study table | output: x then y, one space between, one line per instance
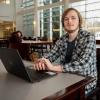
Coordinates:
64 86
36 45
36 42
32 42
3 42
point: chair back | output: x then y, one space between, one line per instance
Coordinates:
98 66
96 92
22 48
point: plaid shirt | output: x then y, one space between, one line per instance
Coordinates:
83 58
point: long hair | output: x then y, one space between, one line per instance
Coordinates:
78 14
19 32
15 38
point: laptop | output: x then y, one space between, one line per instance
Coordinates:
14 64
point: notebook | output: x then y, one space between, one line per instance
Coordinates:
14 64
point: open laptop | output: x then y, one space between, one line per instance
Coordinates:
14 65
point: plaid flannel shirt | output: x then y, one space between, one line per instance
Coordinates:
83 58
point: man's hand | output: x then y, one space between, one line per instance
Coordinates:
45 64
39 65
49 66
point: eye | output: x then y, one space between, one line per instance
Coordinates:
73 18
66 19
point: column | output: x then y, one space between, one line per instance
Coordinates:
66 4
36 19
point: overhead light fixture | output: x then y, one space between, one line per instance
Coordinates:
8 28
34 22
7 1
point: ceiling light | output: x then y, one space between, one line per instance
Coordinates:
7 2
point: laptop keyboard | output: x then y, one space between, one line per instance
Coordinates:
37 75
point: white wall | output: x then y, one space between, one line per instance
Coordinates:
7 11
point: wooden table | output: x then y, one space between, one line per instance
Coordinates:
3 42
38 44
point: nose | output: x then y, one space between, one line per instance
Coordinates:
69 20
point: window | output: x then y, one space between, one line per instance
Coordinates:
28 24
50 22
90 11
54 1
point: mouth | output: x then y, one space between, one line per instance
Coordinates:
70 25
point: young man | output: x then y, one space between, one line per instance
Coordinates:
76 49
16 37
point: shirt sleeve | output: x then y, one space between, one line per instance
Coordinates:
54 53
83 61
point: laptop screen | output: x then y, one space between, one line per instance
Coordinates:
13 62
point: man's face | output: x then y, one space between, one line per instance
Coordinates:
71 21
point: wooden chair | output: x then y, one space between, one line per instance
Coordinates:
23 49
95 94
